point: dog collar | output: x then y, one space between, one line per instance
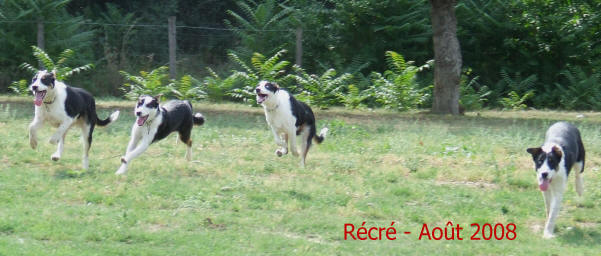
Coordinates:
50 102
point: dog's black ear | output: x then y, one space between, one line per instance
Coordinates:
557 151
534 151
49 78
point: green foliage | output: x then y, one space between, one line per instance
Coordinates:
397 87
217 88
152 83
261 68
187 88
258 25
473 96
580 90
63 72
354 97
20 87
321 91
514 101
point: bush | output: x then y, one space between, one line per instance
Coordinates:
322 91
397 87
271 69
151 83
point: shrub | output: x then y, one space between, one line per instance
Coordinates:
322 91
473 95
63 72
397 87
152 83
271 69
514 101
581 90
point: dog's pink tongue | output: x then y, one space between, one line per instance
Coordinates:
141 120
39 97
544 185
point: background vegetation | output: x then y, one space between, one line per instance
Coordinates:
516 54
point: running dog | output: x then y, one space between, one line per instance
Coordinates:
288 118
154 122
63 107
553 161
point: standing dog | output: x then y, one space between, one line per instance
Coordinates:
155 122
553 161
288 118
63 107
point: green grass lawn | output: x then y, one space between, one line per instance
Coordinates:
237 198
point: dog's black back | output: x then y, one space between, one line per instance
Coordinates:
568 137
177 116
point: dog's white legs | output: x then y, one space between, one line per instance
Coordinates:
282 144
59 149
556 195
33 128
130 155
579 183
292 140
85 137
189 150
305 144
547 197
60 131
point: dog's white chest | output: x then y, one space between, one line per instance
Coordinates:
279 121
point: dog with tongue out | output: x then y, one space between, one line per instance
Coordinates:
561 151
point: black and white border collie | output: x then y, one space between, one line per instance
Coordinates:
288 118
154 122
553 161
63 106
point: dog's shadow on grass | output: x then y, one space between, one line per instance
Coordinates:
72 174
581 237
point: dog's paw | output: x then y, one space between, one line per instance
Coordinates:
547 235
54 139
55 157
33 143
122 170
281 151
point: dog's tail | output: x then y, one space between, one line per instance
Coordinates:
322 135
198 119
108 120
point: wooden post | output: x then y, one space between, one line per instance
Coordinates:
299 46
172 48
41 40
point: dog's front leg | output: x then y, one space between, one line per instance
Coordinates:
555 205
61 130
283 148
547 197
33 128
130 155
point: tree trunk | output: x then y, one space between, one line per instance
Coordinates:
41 40
447 57
299 46
172 48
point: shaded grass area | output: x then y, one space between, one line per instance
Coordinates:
236 197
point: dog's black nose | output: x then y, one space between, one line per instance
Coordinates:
138 113
258 90
35 87
544 175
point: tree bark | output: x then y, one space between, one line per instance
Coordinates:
172 48
447 57
299 46
41 40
